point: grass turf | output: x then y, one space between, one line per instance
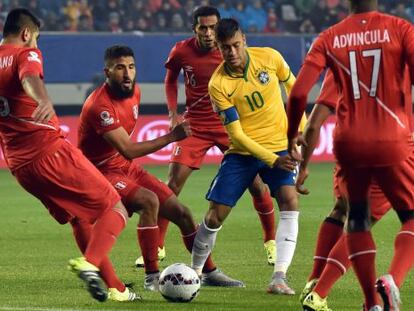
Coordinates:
34 251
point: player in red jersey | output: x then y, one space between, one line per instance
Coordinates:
367 53
107 120
331 255
198 57
42 161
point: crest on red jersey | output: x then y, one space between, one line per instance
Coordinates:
135 111
106 118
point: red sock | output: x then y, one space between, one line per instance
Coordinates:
264 207
162 228
403 258
148 242
104 235
188 242
336 266
82 232
362 251
329 233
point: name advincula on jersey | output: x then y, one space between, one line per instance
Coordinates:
361 38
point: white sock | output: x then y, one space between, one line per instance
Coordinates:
286 235
203 244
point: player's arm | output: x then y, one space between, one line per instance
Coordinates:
120 140
310 135
233 127
307 77
34 87
171 92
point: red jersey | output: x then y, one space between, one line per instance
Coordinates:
198 66
328 94
101 113
367 54
22 139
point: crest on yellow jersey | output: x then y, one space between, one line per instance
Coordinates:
263 76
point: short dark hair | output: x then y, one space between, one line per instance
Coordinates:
226 29
205 10
117 51
19 18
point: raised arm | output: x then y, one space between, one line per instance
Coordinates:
120 140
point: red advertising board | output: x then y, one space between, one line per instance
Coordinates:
150 127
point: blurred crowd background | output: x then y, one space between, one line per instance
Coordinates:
255 16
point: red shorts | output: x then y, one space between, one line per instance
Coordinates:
191 150
68 185
129 179
378 203
396 182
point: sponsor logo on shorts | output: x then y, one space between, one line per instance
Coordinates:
120 185
177 150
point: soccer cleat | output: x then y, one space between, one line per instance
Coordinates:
313 302
89 273
307 289
279 286
218 278
270 248
127 295
152 281
139 263
375 308
389 292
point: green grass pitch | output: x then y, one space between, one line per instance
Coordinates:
34 251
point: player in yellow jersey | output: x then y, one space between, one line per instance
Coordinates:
246 94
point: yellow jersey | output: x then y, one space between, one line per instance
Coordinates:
257 98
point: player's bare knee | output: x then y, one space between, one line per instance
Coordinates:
287 200
257 188
144 201
340 210
359 219
174 186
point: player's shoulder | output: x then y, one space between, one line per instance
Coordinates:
183 45
32 54
97 99
263 53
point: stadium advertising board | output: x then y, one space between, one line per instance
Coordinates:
152 126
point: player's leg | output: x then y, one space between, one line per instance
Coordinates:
330 233
186 156
361 246
282 186
82 191
117 291
262 202
397 184
236 172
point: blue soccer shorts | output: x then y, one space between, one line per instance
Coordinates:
236 174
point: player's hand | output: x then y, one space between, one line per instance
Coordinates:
43 112
300 180
181 131
293 145
286 163
175 119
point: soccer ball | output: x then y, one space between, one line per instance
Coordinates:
179 283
